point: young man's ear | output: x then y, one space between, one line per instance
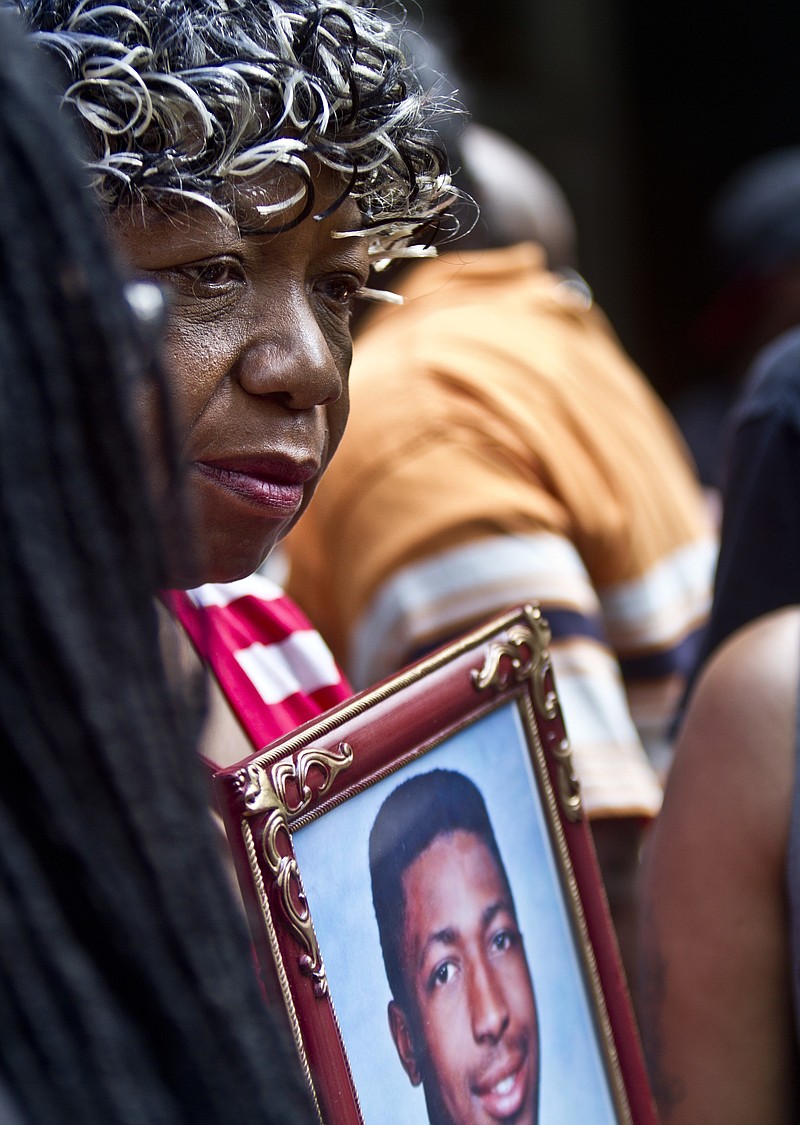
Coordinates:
403 1041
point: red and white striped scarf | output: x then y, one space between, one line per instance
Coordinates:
272 665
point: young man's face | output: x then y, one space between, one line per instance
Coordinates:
472 1038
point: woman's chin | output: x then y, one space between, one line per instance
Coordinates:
186 575
212 556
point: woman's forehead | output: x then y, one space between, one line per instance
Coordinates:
277 200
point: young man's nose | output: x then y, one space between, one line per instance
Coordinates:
488 1008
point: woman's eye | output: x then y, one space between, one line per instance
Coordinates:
341 288
211 277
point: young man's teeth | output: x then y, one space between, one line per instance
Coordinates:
504 1087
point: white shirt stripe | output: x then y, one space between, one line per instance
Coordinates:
223 593
467 583
659 608
301 663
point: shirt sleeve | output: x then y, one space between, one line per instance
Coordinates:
433 599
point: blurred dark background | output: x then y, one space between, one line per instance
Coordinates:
641 110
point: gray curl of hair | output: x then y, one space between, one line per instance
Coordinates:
186 100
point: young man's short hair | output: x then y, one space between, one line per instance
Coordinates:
419 810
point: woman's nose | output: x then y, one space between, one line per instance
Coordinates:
294 362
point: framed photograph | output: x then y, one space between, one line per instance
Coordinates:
425 900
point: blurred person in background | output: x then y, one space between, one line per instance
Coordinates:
759 496
718 1000
754 265
720 938
502 449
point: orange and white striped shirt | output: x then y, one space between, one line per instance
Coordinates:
503 449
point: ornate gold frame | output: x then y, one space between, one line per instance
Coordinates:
267 798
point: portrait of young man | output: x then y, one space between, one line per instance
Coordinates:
463 1013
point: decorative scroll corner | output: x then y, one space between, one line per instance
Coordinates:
538 624
286 785
280 791
523 656
567 784
315 970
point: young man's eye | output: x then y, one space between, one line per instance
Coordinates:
441 975
504 939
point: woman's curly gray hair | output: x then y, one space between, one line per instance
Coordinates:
188 99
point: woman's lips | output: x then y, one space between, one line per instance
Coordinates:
276 488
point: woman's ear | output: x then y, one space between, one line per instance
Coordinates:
403 1041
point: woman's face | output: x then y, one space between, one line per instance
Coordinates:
257 350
